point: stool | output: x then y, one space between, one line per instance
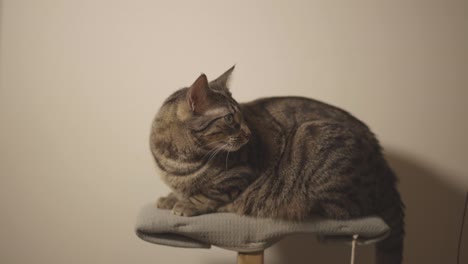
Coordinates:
248 236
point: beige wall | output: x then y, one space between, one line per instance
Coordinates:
81 81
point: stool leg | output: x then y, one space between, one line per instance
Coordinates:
250 258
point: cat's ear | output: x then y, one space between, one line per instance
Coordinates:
222 81
197 95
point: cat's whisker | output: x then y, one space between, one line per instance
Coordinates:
227 156
209 153
215 153
209 144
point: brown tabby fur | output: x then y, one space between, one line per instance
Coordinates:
283 157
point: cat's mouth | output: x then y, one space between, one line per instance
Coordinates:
235 143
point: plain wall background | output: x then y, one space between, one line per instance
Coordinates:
82 80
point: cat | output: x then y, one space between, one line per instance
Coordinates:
281 157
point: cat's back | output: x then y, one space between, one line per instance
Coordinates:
291 111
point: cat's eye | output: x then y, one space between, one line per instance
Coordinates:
229 119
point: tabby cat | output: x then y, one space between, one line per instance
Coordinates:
280 157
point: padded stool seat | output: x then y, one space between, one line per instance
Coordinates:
247 234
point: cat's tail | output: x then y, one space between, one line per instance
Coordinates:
390 250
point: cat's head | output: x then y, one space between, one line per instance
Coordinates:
213 118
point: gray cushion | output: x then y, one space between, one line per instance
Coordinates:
246 234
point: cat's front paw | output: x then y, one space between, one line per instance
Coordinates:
182 208
227 208
166 202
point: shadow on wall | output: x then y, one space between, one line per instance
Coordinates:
433 219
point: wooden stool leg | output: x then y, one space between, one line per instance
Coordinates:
250 258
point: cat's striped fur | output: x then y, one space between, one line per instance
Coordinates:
287 157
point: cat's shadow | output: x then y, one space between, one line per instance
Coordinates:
433 210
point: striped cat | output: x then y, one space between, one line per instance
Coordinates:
280 157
